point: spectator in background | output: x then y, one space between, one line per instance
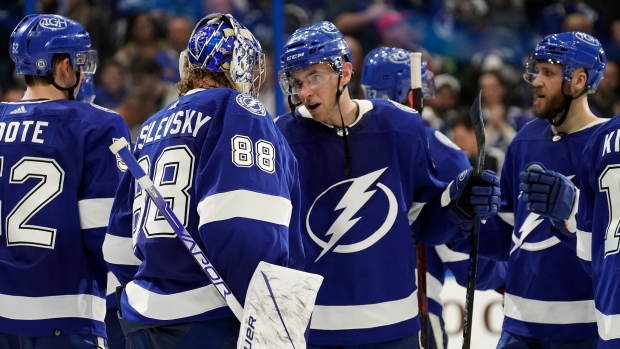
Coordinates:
438 111
357 18
145 74
551 18
577 22
112 88
499 117
179 32
144 42
605 103
357 59
463 135
137 106
13 93
97 22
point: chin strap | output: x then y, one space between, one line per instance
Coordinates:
347 152
567 102
71 96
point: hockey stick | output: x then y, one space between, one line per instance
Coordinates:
283 319
478 124
418 98
120 148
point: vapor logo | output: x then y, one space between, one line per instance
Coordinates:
360 191
251 104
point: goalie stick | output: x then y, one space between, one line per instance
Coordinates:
304 285
478 124
418 98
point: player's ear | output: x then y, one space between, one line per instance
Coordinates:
410 98
579 80
347 73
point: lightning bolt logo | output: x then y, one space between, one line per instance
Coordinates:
354 199
531 222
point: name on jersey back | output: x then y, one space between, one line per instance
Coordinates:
182 123
22 131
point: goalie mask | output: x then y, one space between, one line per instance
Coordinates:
37 38
387 74
221 44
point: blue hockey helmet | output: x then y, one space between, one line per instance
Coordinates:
387 74
37 38
87 90
221 44
320 42
572 50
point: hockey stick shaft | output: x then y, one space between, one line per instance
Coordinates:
478 124
416 86
120 147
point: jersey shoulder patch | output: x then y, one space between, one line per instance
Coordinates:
251 104
445 140
403 107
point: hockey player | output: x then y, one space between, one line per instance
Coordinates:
367 186
58 183
228 174
549 300
116 338
387 74
596 230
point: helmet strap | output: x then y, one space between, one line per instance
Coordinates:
345 140
71 89
568 99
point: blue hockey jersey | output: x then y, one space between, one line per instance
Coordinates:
358 228
548 294
449 161
229 176
598 215
58 182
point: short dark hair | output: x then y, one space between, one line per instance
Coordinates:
36 80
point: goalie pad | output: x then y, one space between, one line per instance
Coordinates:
278 308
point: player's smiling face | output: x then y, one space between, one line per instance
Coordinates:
317 86
548 98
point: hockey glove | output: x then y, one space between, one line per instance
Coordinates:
550 194
467 196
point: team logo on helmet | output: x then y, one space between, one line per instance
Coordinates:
588 39
399 57
53 23
41 64
251 104
329 27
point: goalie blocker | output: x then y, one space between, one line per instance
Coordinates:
271 318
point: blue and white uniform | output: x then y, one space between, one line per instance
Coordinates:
548 294
230 177
351 220
597 217
58 183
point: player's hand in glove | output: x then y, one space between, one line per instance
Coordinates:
468 196
549 194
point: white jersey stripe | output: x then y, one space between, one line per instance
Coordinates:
350 317
52 307
414 211
115 250
608 326
245 204
173 306
94 213
447 255
552 313
584 245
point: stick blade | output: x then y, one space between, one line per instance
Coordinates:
278 308
475 115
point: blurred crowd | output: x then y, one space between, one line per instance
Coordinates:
471 45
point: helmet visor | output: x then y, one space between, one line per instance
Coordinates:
293 86
86 61
533 70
